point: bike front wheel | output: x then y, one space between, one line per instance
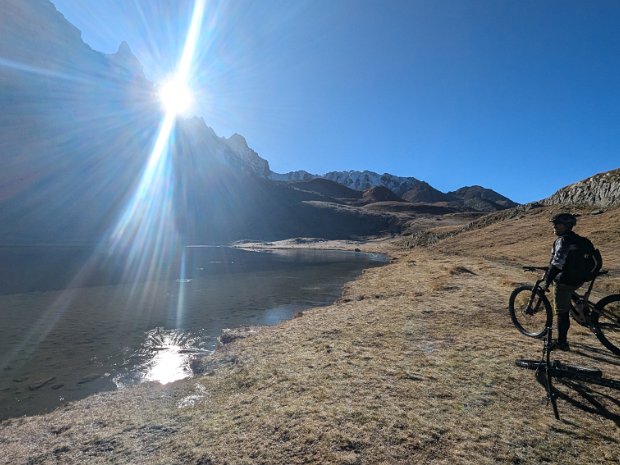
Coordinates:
606 322
559 369
530 311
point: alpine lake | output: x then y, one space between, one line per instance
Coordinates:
74 322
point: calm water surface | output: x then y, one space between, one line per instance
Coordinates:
72 325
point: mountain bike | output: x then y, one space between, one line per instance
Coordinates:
547 369
532 315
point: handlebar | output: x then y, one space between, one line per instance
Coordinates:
544 268
535 268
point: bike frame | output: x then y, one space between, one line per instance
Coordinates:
575 297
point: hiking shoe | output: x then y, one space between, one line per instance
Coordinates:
560 345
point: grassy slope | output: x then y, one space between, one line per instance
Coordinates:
413 365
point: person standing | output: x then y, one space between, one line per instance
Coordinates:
562 274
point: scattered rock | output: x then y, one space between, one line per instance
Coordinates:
39 384
60 429
461 270
89 378
61 450
449 288
230 335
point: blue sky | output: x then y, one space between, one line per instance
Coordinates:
518 96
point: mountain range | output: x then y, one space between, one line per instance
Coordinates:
76 134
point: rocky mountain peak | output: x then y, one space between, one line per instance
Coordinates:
238 140
423 192
126 62
362 180
482 199
299 175
239 147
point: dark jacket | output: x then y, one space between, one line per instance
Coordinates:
561 265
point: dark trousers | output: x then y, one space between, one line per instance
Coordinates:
561 307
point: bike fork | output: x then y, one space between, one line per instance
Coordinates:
551 393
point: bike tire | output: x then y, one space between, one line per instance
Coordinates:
606 322
529 364
560 369
534 324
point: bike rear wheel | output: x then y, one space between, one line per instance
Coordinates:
530 311
606 322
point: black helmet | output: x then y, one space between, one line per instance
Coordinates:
566 219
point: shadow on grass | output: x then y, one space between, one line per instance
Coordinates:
585 397
595 353
590 400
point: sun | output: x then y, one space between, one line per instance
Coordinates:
175 96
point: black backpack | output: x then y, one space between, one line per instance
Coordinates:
584 261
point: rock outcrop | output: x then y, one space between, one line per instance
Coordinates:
600 190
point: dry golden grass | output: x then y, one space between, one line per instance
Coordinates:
527 240
415 364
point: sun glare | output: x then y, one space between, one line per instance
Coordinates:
175 96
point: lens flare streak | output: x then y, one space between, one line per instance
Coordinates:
149 210
146 227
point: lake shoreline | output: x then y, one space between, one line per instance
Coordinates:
132 340
413 364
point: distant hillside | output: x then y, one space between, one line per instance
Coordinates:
410 189
482 199
425 193
327 188
362 180
523 234
525 238
300 175
380 194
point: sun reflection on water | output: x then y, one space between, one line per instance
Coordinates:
165 356
168 365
